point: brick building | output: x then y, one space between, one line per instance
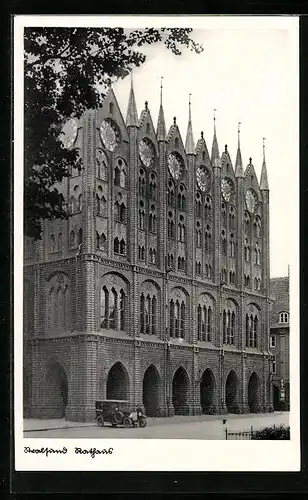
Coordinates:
156 288
279 341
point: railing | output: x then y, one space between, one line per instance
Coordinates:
239 435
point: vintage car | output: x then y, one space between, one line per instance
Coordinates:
118 412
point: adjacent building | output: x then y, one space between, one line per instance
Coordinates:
280 342
156 288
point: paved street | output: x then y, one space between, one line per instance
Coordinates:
199 427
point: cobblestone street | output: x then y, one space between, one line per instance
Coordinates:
194 427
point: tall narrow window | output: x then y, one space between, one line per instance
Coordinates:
171 318
224 327
122 247
177 319
182 324
255 331
198 205
199 321
232 327
116 246
117 176
52 243
170 193
142 314
153 318
113 298
80 202
141 215
104 307
209 324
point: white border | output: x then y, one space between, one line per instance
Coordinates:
155 455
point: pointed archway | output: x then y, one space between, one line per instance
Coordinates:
180 386
254 393
231 392
207 391
117 382
276 397
56 391
151 390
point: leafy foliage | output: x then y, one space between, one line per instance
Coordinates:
274 432
68 70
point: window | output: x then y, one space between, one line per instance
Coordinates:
204 315
224 276
198 267
117 176
181 264
252 326
274 365
232 218
223 214
228 326
79 236
181 233
142 188
223 242
141 252
208 208
101 165
52 243
198 205
148 314
177 316
171 225
116 245
232 248
80 202
182 198
101 242
171 193
152 219
246 280
153 186
198 235
232 277
100 206
246 251
272 341
247 223
208 271
284 317
152 254
141 215
122 247
208 239
257 254
257 226
170 260
72 239
112 308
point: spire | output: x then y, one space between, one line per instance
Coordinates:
161 126
263 179
239 172
215 151
189 144
132 115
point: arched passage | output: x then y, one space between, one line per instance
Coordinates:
180 392
117 383
276 398
151 389
207 391
56 391
231 392
253 393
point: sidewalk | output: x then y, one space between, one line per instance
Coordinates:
32 424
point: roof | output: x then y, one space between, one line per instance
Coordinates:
279 290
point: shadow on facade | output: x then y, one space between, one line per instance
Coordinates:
151 390
254 393
207 391
56 391
117 383
231 393
180 386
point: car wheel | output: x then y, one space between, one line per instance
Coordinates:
100 421
143 422
127 422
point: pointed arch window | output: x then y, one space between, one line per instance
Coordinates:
112 309
257 226
152 254
247 223
116 246
171 319
170 260
232 218
223 242
117 176
142 184
171 225
208 208
246 250
182 198
152 219
104 307
182 323
141 216
232 247
224 275
141 252
101 242
153 186
72 239
198 205
181 264
52 243
122 247
171 194
208 239
198 235
80 203
223 214
181 232
198 267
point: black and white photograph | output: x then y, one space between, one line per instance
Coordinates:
156 243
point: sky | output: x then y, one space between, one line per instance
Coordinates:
248 75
